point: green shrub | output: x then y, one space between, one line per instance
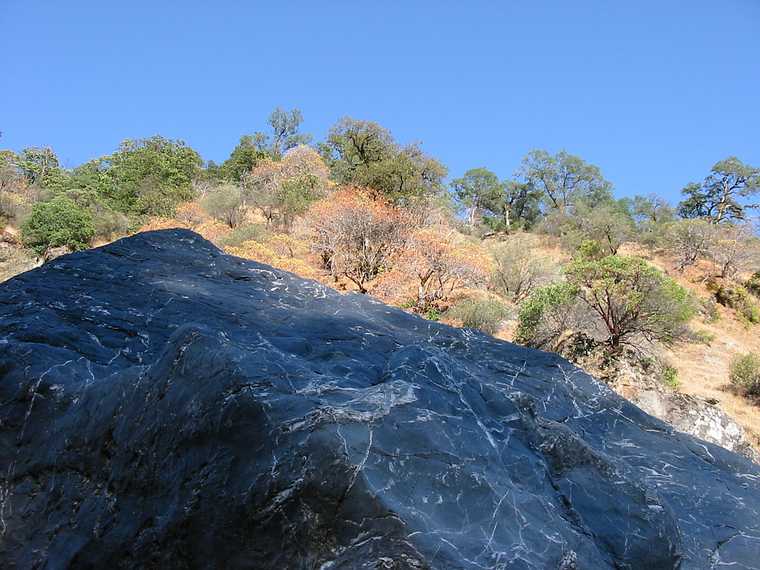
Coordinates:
670 376
738 298
482 314
546 315
744 373
109 224
631 300
753 284
59 222
590 249
702 337
247 232
226 204
432 314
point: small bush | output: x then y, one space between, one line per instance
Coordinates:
753 284
518 270
744 373
226 204
670 376
738 298
590 249
702 337
433 314
483 314
546 315
109 224
247 232
60 222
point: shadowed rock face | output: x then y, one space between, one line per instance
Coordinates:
163 405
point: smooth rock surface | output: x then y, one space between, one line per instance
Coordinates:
163 405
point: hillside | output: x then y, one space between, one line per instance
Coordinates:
702 368
660 301
166 404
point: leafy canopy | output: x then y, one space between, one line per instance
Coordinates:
721 197
59 222
564 179
364 154
631 299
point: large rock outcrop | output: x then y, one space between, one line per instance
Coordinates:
163 405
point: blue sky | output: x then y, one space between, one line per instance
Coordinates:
654 92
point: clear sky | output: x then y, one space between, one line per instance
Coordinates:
652 91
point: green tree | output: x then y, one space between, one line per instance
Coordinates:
631 299
721 197
249 153
518 207
255 148
285 135
609 224
650 209
146 176
364 154
59 222
479 188
564 179
40 167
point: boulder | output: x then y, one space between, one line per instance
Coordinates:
163 405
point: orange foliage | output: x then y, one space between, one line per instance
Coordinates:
190 214
442 262
354 235
273 254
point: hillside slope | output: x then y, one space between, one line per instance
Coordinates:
166 405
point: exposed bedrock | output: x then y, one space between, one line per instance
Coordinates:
163 405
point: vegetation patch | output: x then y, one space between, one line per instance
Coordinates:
745 373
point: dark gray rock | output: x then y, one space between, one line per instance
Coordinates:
166 406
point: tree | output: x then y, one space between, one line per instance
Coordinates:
441 263
40 166
355 235
564 179
285 135
518 270
282 190
148 176
609 224
517 207
690 240
254 149
478 188
364 154
59 222
225 203
720 197
631 299
733 248
249 153
651 216
650 209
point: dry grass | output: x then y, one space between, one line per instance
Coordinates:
703 369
